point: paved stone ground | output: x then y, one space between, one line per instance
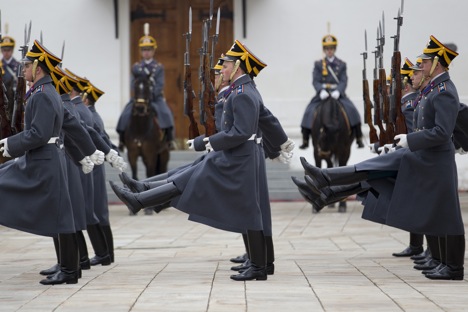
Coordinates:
324 262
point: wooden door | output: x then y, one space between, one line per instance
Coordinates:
168 21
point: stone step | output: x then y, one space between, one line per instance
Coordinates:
279 176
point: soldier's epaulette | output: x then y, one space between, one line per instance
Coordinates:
240 89
38 89
441 87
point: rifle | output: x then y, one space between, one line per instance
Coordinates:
206 100
189 94
399 118
377 104
4 120
17 118
367 102
384 98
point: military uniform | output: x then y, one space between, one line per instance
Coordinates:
330 75
10 71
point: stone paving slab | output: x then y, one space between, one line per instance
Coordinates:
324 262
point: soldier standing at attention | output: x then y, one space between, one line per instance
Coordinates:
330 78
154 70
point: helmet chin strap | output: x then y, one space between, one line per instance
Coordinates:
34 67
434 64
234 70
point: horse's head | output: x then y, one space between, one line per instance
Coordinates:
329 123
142 95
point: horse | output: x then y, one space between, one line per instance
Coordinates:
143 136
331 136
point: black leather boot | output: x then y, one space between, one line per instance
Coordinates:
333 176
69 267
409 251
270 251
83 248
257 250
244 257
422 255
56 267
312 192
139 186
153 197
109 240
453 260
98 241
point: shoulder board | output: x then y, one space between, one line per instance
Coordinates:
441 87
240 89
38 89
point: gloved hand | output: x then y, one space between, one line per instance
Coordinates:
386 149
97 157
288 146
374 149
190 145
120 164
86 165
208 145
284 157
403 140
335 94
4 148
324 94
112 156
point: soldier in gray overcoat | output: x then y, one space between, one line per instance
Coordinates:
424 198
34 190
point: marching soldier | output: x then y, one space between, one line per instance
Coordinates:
153 69
9 67
330 78
427 161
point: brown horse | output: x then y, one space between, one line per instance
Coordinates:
143 136
331 136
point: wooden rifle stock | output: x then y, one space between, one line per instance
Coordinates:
5 127
400 123
368 112
377 112
188 102
17 123
390 132
208 98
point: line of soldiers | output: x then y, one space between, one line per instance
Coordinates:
55 185
413 186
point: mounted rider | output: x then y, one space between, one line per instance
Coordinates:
154 70
329 78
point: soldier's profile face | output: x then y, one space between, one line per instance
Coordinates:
227 69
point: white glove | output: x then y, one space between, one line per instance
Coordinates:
403 140
97 157
86 165
4 148
112 156
335 94
190 145
386 149
457 151
208 145
324 94
288 146
284 157
120 164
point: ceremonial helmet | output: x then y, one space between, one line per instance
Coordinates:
81 83
7 42
147 40
417 66
39 55
63 81
439 52
406 71
244 58
92 93
329 41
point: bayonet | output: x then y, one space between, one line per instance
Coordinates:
215 38
40 38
